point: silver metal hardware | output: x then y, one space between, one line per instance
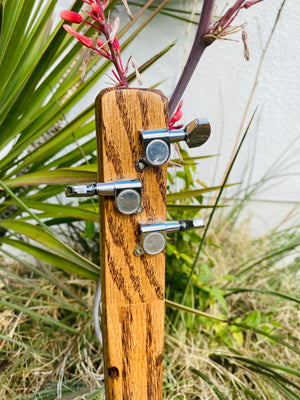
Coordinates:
138 251
157 142
154 236
128 194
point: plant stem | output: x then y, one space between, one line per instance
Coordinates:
197 50
114 58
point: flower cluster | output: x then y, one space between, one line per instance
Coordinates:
176 117
223 26
110 49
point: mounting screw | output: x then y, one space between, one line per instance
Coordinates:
138 251
142 164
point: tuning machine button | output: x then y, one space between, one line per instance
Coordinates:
128 194
154 236
157 142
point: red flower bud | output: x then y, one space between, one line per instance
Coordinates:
83 39
176 117
100 43
71 16
70 30
250 3
116 45
95 8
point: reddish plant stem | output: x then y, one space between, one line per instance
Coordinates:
114 58
197 50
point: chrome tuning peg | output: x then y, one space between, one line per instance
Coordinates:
157 142
154 236
128 194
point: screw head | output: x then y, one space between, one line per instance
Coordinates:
138 251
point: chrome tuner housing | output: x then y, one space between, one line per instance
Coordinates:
128 194
157 142
154 236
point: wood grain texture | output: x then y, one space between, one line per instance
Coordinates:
132 287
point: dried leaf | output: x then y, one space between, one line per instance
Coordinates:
138 75
246 48
127 9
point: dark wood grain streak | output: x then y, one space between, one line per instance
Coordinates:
118 236
127 343
117 276
150 273
132 287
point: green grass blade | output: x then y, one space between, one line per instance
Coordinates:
60 210
52 243
178 306
60 302
209 382
187 194
212 214
274 337
268 365
38 316
262 291
62 176
44 272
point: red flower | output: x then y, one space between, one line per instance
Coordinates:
100 43
83 39
71 16
250 3
96 9
176 117
101 25
116 45
103 51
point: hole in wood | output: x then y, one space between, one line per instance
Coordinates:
113 372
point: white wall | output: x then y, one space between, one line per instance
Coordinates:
221 86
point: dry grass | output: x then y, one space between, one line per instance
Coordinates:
37 357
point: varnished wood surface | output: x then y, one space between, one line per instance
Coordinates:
132 287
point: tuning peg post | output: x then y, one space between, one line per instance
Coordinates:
157 142
154 236
128 194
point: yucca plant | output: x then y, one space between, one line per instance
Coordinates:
41 81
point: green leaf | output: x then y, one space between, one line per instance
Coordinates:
253 319
60 210
89 229
193 193
209 382
181 307
51 258
218 294
57 177
51 242
263 291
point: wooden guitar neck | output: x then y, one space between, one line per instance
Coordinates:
132 287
